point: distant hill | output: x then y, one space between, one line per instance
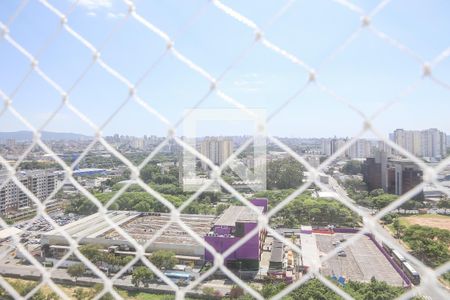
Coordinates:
46 135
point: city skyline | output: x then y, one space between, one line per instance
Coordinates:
225 149
28 135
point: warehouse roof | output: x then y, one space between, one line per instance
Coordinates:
140 226
277 253
235 214
8 232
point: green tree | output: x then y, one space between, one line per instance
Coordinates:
149 172
431 245
81 205
399 228
141 275
76 270
164 259
284 174
312 289
315 289
444 203
376 192
376 290
389 218
31 165
354 184
412 204
92 252
165 179
383 200
220 208
169 189
271 289
352 167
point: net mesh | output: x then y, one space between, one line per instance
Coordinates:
430 277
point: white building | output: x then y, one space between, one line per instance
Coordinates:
39 182
216 149
362 148
330 146
434 143
425 143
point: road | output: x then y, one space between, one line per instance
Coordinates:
12 270
338 189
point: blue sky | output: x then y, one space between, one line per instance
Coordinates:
369 72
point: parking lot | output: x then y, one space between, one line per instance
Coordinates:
41 225
362 260
30 231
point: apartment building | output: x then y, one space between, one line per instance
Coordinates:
330 146
216 149
12 198
361 148
429 143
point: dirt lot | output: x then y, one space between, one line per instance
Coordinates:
437 221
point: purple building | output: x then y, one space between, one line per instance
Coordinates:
234 223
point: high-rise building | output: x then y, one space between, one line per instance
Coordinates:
39 182
430 143
403 175
337 144
331 146
410 140
434 143
326 147
362 148
374 171
394 176
11 143
216 149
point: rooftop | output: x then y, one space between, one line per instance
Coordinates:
8 232
145 227
325 195
23 174
235 214
310 252
277 253
140 226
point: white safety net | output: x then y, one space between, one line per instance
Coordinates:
430 284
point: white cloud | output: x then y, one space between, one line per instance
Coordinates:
95 4
102 8
250 82
112 15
